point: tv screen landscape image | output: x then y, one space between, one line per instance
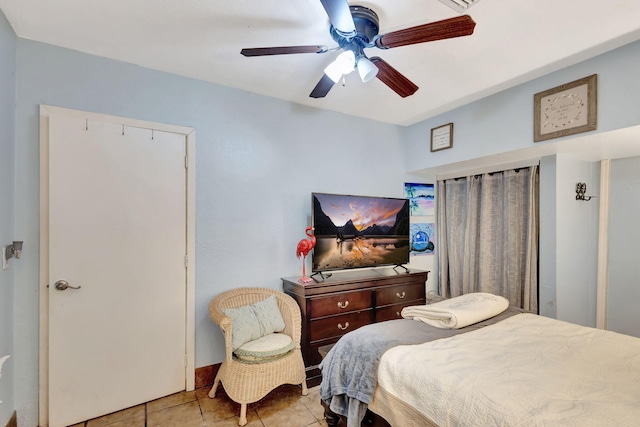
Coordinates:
359 231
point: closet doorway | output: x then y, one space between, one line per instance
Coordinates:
623 289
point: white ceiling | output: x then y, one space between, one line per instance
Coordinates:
514 41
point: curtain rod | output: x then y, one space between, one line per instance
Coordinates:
489 169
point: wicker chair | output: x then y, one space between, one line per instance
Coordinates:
249 382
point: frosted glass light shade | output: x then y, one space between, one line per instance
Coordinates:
343 64
366 69
333 71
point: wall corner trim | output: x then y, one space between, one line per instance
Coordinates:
603 248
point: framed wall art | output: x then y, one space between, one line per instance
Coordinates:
423 238
421 198
565 110
442 137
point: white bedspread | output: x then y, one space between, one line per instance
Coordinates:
458 312
527 370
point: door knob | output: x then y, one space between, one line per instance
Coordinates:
63 285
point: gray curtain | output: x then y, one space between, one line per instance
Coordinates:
488 235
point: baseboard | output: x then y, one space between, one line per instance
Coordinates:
204 377
13 421
206 374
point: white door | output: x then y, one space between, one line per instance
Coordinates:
117 231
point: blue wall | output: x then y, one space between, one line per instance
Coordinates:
258 160
504 122
7 210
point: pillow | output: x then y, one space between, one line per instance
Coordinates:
251 322
269 316
245 325
265 349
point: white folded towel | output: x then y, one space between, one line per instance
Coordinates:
458 312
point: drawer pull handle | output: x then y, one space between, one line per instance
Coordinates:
401 295
343 304
342 328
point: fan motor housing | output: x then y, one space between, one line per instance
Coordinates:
367 27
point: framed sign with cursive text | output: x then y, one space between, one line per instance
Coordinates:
442 137
567 109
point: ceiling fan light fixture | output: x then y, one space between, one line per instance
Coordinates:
333 72
343 64
366 69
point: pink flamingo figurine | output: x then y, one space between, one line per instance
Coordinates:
303 249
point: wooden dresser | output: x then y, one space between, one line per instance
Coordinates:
348 300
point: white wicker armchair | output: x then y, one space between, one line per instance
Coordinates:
249 382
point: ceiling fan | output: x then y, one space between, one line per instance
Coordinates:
355 28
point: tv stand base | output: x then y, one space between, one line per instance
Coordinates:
406 270
321 274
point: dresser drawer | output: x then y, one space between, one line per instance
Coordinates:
399 294
336 326
343 302
392 312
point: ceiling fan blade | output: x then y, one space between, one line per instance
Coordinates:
393 78
283 50
339 15
445 29
322 88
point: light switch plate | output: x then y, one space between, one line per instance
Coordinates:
5 263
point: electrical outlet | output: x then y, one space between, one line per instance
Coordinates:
5 262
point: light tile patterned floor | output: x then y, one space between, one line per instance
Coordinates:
283 407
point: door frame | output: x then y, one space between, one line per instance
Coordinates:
190 137
602 283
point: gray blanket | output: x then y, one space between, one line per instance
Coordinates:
350 369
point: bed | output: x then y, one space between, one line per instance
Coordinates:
512 369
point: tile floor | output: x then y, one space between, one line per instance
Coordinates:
283 407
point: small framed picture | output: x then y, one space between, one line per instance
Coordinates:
442 137
421 198
566 109
422 238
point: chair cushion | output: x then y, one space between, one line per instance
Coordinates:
250 322
265 349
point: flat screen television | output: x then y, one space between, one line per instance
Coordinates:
359 231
